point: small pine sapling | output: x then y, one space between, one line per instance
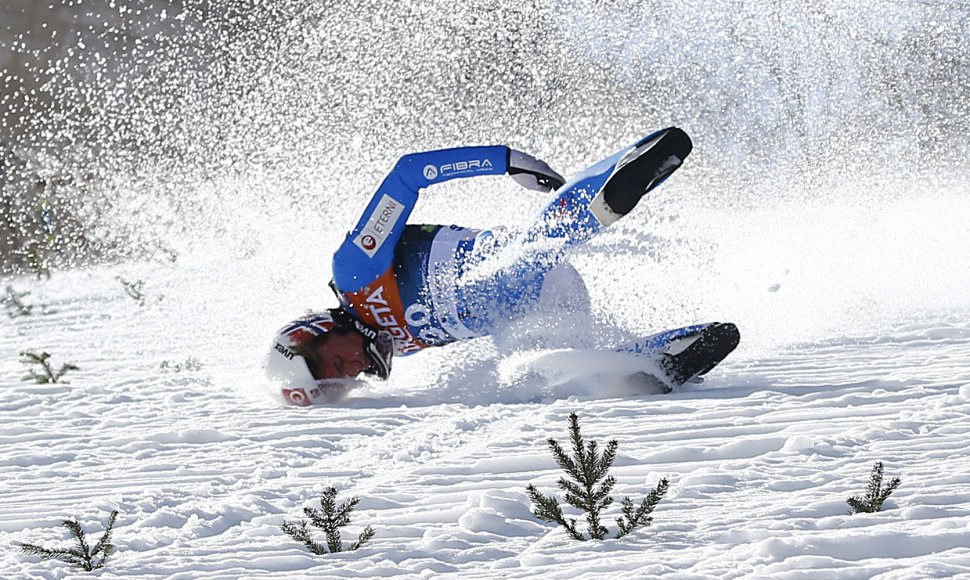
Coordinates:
589 489
15 304
37 261
49 375
586 468
134 290
330 519
634 517
876 494
82 555
191 364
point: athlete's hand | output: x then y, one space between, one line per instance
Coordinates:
533 173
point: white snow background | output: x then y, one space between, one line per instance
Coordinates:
810 213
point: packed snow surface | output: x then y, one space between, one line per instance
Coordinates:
212 155
168 420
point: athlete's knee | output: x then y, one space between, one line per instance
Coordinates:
563 289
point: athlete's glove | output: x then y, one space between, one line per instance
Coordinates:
533 173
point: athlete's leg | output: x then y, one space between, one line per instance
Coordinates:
506 279
502 280
610 189
504 275
591 201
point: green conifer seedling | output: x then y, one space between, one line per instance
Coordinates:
15 303
633 518
589 489
876 494
191 364
329 519
49 375
37 261
134 290
82 555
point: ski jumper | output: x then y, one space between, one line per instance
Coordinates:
431 285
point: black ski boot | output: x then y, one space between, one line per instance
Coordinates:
645 167
710 347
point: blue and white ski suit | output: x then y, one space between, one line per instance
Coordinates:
430 285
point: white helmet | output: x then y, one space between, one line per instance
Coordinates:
286 366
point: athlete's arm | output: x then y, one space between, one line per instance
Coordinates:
368 251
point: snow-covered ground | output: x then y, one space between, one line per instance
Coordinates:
168 421
824 210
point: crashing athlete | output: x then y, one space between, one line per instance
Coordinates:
403 288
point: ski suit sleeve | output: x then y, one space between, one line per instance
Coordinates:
367 253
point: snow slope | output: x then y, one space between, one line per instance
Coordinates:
823 209
167 421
